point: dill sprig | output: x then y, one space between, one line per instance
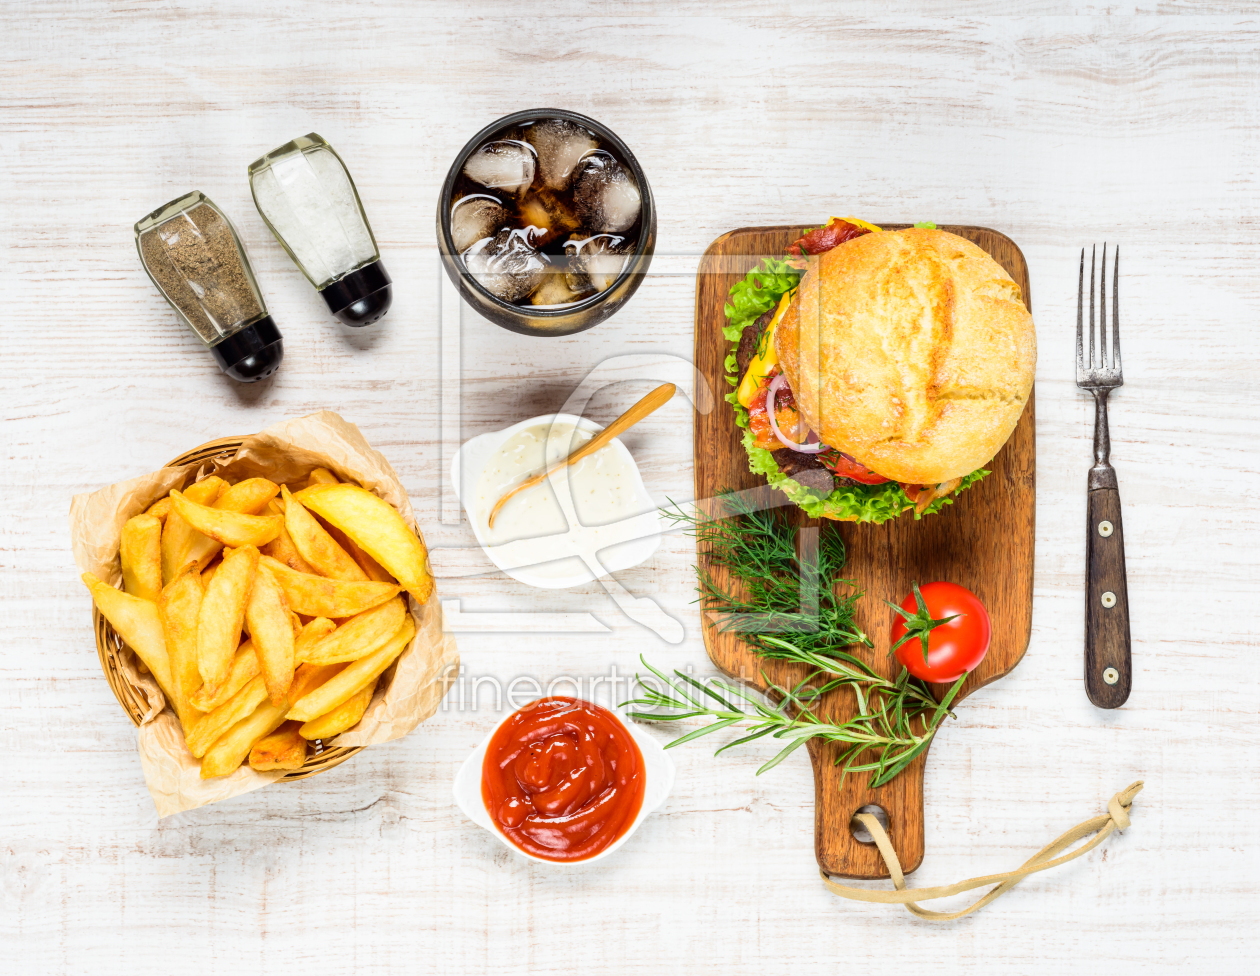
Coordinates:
777 590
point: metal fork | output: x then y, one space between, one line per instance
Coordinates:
1108 668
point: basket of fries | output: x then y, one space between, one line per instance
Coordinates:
263 609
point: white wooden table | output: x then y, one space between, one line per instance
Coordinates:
1062 128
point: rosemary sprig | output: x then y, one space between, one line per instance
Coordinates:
896 720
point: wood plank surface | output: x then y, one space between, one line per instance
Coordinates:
985 541
1061 124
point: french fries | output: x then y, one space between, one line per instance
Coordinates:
283 749
348 681
312 633
377 528
322 476
371 568
360 635
271 630
160 508
344 716
141 553
316 546
214 724
282 549
249 497
179 605
245 668
316 596
223 614
233 529
215 562
178 535
138 624
231 749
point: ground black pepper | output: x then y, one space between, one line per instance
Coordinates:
194 259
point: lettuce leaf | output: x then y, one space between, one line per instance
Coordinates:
759 292
751 298
859 503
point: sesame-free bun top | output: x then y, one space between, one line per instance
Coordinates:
911 351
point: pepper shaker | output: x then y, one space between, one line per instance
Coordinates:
193 255
306 196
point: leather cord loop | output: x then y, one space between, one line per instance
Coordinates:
1116 818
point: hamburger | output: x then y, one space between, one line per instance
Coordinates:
875 372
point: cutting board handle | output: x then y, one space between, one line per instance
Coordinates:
839 852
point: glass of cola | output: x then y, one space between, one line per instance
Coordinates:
546 222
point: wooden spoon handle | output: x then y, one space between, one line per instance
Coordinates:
653 401
649 404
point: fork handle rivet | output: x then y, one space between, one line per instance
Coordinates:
1111 676
1105 528
1109 599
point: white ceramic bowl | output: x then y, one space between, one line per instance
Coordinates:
658 770
644 530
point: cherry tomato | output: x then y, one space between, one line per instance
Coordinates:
846 467
954 646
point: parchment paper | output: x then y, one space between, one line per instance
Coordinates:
406 695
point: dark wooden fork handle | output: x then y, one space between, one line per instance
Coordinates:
1108 667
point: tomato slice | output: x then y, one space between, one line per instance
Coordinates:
847 467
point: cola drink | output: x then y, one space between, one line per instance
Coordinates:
544 214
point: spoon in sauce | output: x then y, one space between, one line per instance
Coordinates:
650 403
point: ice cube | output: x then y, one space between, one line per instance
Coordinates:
474 219
595 263
507 265
606 196
549 215
561 145
555 290
503 165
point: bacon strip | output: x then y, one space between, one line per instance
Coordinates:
821 239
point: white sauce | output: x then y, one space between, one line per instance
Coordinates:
569 517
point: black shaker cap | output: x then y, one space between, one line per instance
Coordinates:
361 297
253 353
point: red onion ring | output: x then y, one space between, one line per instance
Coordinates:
775 385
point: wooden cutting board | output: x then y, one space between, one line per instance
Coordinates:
983 541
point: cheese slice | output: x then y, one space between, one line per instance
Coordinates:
766 358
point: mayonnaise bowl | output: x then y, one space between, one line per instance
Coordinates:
587 521
658 770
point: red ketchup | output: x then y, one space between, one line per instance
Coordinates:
563 779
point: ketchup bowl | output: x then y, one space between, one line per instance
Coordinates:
554 718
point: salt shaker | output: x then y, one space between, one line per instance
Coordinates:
305 194
192 253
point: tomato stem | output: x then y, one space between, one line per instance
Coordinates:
918 624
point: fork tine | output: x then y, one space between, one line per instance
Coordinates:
1080 308
1115 311
1102 311
1092 254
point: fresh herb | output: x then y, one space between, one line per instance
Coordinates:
896 720
785 607
919 624
778 590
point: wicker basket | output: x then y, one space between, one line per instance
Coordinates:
132 699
